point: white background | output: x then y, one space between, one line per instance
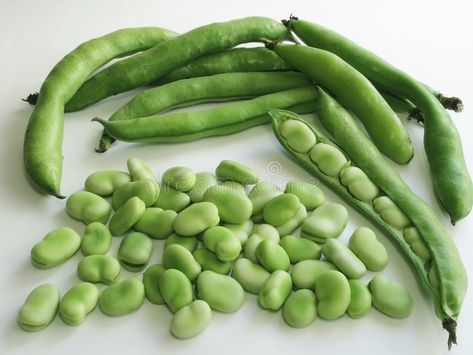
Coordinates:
429 39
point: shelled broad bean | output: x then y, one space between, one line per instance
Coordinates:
204 245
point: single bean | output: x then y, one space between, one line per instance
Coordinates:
360 299
300 309
88 207
190 243
122 298
40 308
299 249
368 249
249 275
291 225
176 289
151 278
156 223
234 171
242 230
97 239
105 183
78 302
343 258
449 172
191 320
171 199
203 181
221 120
209 261
196 218
99 268
329 159
146 190
55 248
391 213
305 273
222 242
275 290
414 239
232 207
177 257
280 209
135 251
180 178
127 216
139 170
356 93
272 256
299 137
390 297
261 194
308 194
325 223
333 292
221 292
257 237
235 186
358 183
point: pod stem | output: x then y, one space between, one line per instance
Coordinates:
105 142
270 44
287 23
451 103
450 326
32 98
417 115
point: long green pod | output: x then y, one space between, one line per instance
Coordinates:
442 144
449 294
355 92
44 133
151 64
221 120
214 88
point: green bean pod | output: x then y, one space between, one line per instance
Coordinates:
43 138
215 88
449 294
355 92
221 120
164 57
450 177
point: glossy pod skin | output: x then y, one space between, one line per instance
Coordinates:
449 294
164 57
217 121
221 292
122 298
79 301
233 60
97 239
451 180
356 93
99 268
55 248
43 138
214 88
40 308
151 278
191 320
88 207
104 183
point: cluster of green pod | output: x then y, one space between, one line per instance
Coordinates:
216 248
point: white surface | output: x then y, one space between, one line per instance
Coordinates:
429 39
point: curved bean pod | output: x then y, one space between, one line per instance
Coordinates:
43 138
164 57
222 120
449 294
450 177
